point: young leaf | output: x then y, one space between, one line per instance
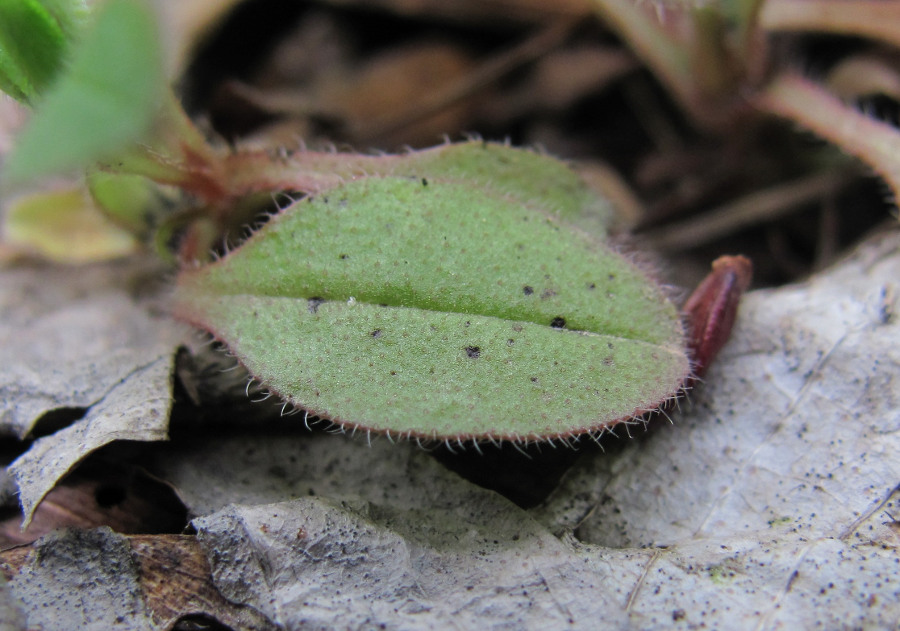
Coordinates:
105 100
439 307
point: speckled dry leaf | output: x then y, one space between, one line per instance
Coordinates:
11 616
80 579
74 580
267 468
77 340
772 495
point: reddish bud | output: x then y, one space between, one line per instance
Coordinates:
712 309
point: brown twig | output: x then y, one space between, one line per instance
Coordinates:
752 209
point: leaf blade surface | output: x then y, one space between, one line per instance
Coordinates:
441 310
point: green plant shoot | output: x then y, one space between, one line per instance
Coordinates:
105 99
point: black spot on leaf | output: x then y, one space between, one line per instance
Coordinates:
313 304
558 322
527 290
376 333
473 352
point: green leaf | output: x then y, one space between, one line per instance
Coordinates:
32 45
104 101
439 307
129 200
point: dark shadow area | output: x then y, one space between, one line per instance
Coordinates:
200 622
527 474
110 488
55 420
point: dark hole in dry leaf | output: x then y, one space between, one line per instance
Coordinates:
109 495
10 513
55 420
11 448
199 622
107 489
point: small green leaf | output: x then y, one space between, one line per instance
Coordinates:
439 307
129 200
105 100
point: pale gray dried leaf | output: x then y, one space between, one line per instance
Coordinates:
767 504
271 467
467 556
69 336
135 409
80 338
82 580
376 528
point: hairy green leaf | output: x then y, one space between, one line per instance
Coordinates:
439 307
105 99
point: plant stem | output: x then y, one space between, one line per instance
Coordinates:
808 104
663 53
878 19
